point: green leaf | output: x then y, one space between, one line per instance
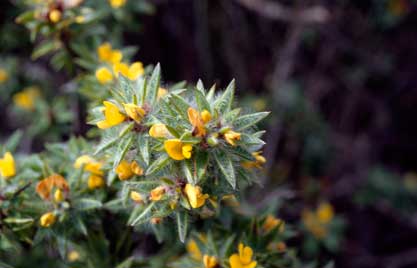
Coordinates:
180 105
18 220
44 48
226 167
182 225
200 87
210 94
224 103
13 141
158 164
125 86
124 146
144 215
187 169
248 120
86 204
153 85
106 142
201 162
202 103
143 145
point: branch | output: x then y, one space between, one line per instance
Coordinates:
276 11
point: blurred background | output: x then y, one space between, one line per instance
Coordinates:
340 79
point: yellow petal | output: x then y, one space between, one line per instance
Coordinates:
117 3
173 147
115 56
134 111
138 170
135 70
186 151
58 196
325 213
246 255
232 136
194 195
210 261
159 131
234 261
47 219
157 193
73 256
7 165
103 75
122 68
45 186
95 182
195 119
112 114
161 92
193 250
205 116
124 171
55 15
250 265
104 51
137 197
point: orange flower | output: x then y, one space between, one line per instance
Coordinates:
197 122
45 186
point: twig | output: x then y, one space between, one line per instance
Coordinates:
276 11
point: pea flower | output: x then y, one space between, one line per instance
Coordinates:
95 182
231 137
126 170
47 219
132 72
258 163
161 92
7 165
157 193
45 186
177 150
159 131
89 164
136 197
271 222
135 112
198 120
195 196
26 98
55 15
112 116
58 196
317 221
73 256
107 54
193 250
117 3
325 212
243 259
104 75
210 261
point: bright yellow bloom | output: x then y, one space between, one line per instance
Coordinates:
7 165
210 261
197 122
161 92
3 75
325 213
124 171
231 137
193 250
112 116
26 98
135 196
104 75
73 256
117 3
177 150
45 186
138 170
243 259
95 182
258 163
55 15
157 193
107 54
132 72
58 196
205 116
89 163
47 219
195 196
135 112
159 131
271 222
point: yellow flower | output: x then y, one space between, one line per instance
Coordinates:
161 92
117 3
205 116
55 15
124 171
159 131
112 116
313 225
95 182
231 137
157 193
197 122
45 186
58 196
271 222
325 213
3 75
107 54
135 112
26 98
210 261
132 72
258 163
195 196
89 164
138 170
73 256
135 196
243 259
47 219
177 150
103 75
193 250
7 165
